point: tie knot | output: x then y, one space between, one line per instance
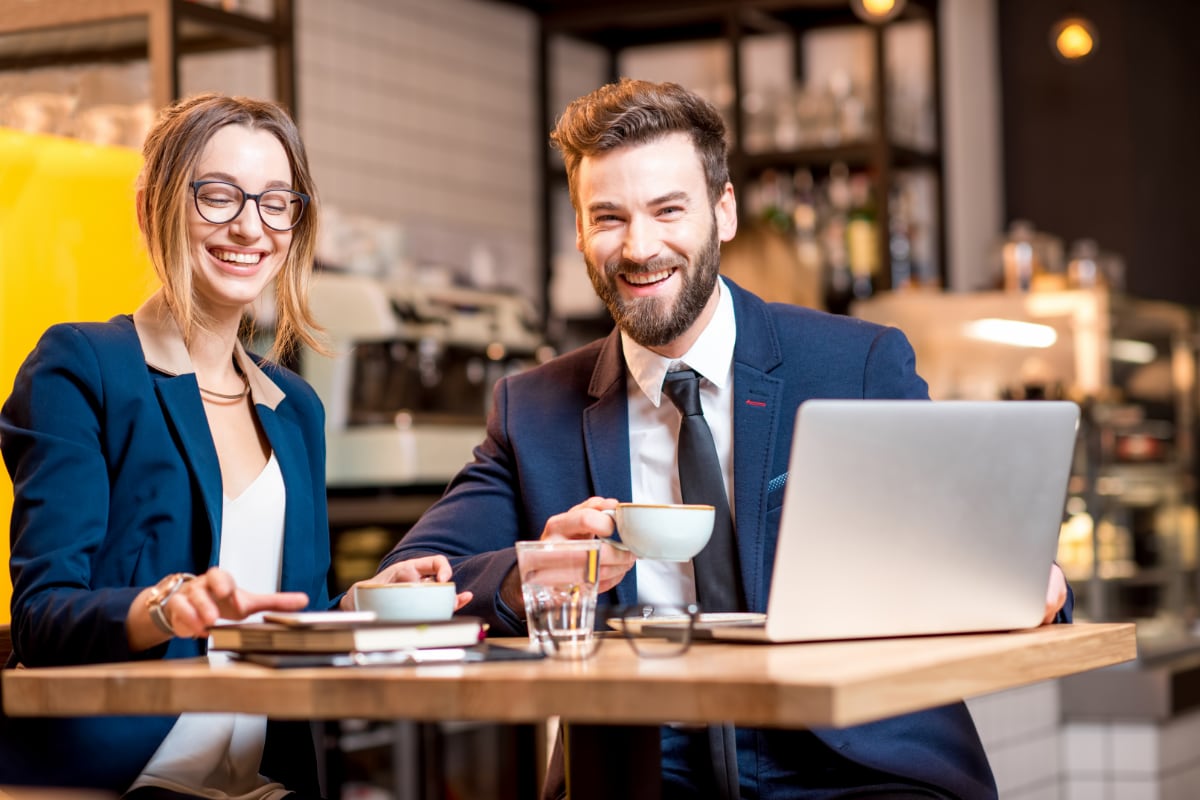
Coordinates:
683 389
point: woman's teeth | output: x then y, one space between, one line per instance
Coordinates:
238 258
644 279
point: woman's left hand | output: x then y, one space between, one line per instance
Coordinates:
428 568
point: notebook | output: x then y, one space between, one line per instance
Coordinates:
324 632
908 517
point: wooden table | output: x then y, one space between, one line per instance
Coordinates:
832 684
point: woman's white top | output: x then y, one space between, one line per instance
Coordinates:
218 755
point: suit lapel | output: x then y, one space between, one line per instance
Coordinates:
608 453
606 450
757 406
298 554
184 411
175 382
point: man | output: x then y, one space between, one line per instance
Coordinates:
646 164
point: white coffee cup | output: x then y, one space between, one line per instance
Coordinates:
662 532
406 602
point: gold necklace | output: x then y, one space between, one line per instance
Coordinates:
220 396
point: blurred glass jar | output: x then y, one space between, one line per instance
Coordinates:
1030 259
1083 265
1088 266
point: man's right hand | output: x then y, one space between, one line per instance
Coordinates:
584 521
587 521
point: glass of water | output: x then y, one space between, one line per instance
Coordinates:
558 582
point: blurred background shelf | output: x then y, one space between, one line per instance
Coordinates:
37 34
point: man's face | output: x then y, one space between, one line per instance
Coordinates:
651 239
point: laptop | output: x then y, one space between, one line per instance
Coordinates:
909 517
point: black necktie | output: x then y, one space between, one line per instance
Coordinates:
701 479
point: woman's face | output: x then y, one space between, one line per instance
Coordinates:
235 261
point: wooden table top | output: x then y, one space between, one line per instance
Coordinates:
800 685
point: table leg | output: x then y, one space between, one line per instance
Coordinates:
607 761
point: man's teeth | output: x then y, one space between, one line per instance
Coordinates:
643 279
238 258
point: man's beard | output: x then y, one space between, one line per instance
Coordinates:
653 321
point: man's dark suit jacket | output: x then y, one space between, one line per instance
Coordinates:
558 434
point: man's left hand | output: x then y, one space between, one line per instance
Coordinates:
1056 594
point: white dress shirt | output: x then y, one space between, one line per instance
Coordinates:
654 435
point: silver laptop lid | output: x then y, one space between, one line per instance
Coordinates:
906 517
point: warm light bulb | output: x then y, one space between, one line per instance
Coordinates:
877 10
1074 39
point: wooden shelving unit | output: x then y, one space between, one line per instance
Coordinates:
616 26
43 33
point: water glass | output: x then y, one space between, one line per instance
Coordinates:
558 582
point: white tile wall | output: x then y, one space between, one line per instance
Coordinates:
1036 757
423 112
1132 760
1019 729
1089 789
246 72
1179 747
1134 751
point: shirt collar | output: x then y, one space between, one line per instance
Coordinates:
711 355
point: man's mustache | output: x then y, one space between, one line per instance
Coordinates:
626 267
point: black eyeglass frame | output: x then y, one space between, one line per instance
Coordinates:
638 641
304 201
681 641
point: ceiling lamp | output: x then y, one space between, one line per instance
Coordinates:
877 11
1074 39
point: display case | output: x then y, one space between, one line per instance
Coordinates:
1129 539
832 121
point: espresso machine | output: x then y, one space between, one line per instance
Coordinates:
409 385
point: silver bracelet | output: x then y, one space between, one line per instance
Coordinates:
159 596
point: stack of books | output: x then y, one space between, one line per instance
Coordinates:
343 638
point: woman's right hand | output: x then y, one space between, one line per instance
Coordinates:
197 604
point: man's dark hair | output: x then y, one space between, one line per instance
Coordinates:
637 112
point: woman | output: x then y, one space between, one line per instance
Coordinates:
163 478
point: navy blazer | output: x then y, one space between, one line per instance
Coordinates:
117 484
558 434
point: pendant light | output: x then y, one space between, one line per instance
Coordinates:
877 12
1074 39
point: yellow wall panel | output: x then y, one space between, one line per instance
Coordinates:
69 250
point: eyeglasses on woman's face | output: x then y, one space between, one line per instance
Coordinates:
220 202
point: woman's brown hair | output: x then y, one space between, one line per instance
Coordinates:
171 152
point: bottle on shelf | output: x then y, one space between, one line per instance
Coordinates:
1084 267
862 243
809 258
1031 260
900 245
839 283
769 200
